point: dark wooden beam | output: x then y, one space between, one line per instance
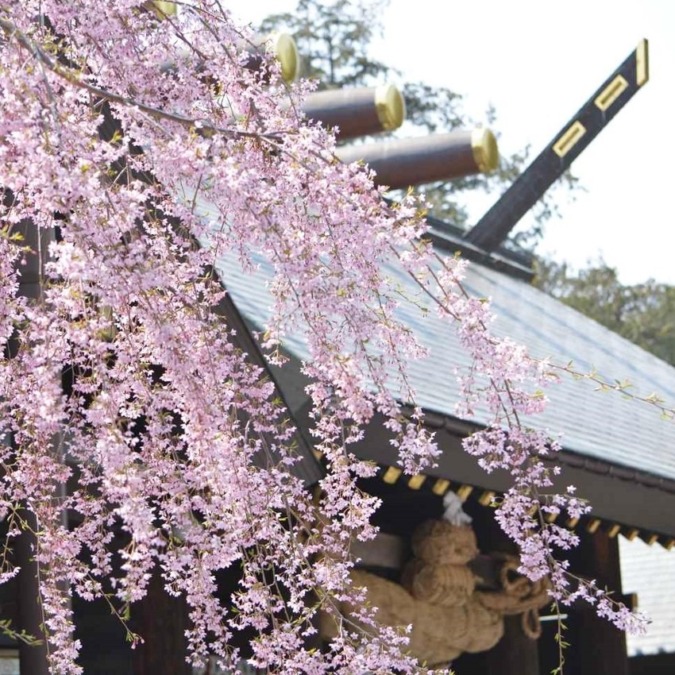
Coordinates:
619 494
568 144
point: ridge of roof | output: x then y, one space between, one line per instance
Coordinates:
508 259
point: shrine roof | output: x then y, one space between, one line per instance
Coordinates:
603 425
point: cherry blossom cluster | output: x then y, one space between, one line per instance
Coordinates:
123 379
507 386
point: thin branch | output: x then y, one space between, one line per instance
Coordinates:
617 386
12 31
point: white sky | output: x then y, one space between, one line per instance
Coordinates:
537 62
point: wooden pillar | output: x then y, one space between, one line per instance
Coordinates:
161 620
32 658
30 616
597 646
515 653
104 650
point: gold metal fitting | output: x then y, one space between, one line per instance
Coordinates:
390 107
485 150
416 482
286 52
391 475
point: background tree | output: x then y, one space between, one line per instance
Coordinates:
642 313
334 38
